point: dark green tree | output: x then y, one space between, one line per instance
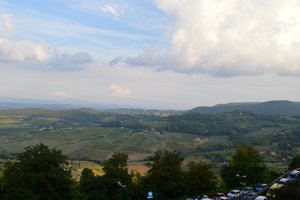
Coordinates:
165 176
200 179
245 167
39 173
136 188
116 178
115 184
115 168
91 187
295 163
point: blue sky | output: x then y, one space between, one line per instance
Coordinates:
85 24
151 54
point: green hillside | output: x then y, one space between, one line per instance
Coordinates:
270 108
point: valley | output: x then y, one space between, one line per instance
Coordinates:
88 134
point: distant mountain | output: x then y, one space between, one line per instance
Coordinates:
19 103
269 107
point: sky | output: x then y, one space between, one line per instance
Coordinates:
165 54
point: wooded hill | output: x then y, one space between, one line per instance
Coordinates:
269 108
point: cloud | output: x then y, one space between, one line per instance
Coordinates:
61 94
113 9
36 54
23 50
146 58
74 61
115 61
30 52
19 50
120 91
6 25
228 38
45 57
76 58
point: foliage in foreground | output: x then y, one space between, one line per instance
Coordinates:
295 163
246 167
37 173
40 173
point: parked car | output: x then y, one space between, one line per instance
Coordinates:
234 194
251 195
261 198
281 183
219 196
261 187
246 190
202 197
223 198
294 175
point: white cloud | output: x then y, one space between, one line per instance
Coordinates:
75 59
113 9
6 25
61 94
147 58
30 52
24 50
36 54
230 38
120 91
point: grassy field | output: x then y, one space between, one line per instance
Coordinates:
98 143
264 132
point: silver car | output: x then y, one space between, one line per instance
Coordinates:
234 194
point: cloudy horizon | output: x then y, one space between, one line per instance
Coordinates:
171 54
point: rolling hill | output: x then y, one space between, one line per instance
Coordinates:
271 108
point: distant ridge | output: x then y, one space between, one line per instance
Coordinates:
281 107
20 103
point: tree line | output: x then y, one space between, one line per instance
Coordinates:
42 173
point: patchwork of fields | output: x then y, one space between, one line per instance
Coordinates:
86 134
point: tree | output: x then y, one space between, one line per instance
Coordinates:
115 168
114 184
245 167
136 188
91 186
116 178
165 175
200 179
38 173
295 163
